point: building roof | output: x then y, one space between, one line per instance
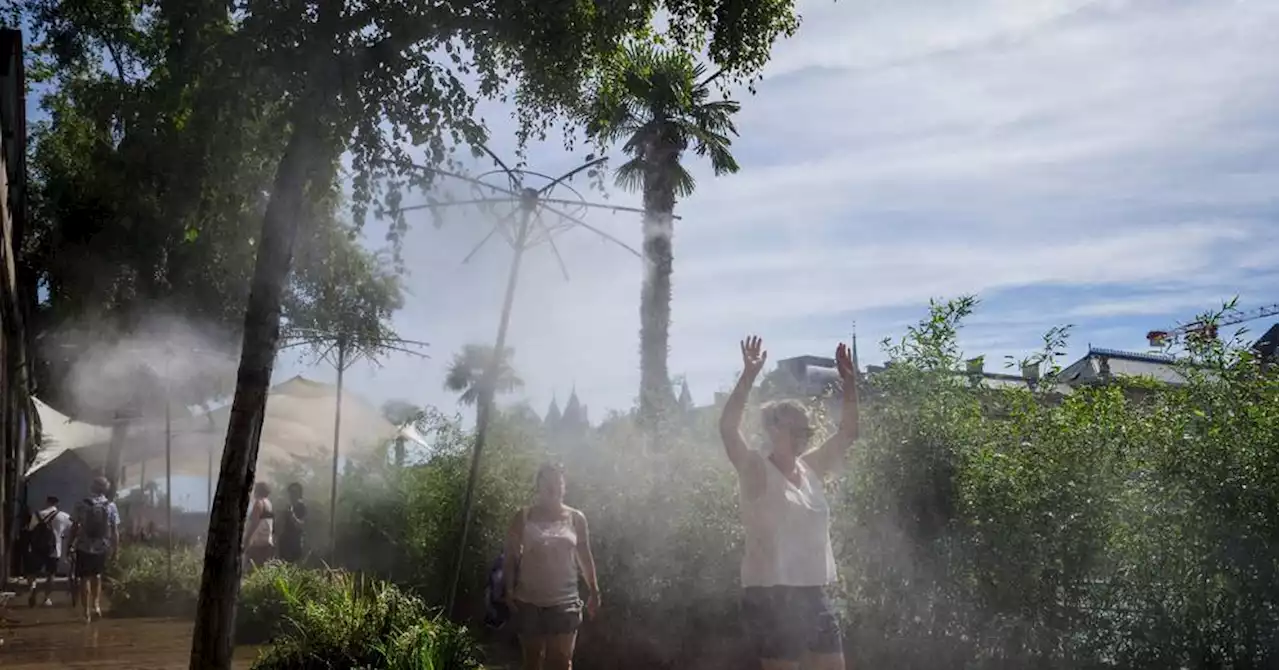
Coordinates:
1265 347
1100 364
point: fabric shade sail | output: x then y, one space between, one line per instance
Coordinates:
298 426
59 434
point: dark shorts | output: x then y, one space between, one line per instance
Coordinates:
259 554
534 621
42 566
90 565
291 552
785 622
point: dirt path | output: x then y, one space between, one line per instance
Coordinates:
45 638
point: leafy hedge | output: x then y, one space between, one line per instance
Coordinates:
139 583
1128 525
305 617
337 620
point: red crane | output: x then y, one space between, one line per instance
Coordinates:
1200 329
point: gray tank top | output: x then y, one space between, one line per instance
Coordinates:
547 575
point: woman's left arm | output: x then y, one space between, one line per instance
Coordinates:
588 563
255 517
830 457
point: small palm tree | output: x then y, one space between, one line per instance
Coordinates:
658 103
468 368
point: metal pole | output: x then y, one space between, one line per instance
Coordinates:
337 427
485 402
168 477
208 486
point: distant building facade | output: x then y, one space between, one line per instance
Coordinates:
568 427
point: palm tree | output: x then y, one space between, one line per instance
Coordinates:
468 368
658 103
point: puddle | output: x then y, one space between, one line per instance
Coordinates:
44 638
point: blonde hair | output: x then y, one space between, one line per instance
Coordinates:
789 415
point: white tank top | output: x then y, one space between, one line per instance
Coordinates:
788 531
547 574
263 535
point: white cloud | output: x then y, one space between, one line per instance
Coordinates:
1111 164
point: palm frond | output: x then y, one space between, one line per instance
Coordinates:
630 175
468 367
657 102
682 182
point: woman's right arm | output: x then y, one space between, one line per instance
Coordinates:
511 548
735 446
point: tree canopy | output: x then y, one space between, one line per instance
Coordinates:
657 103
467 371
150 174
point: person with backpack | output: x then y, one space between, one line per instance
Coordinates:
46 536
95 536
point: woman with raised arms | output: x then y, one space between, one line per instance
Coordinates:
788 563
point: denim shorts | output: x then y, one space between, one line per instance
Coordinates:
785 622
534 621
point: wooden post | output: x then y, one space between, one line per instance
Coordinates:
337 429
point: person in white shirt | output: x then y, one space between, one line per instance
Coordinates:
788 562
48 528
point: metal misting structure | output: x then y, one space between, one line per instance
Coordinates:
532 217
1158 338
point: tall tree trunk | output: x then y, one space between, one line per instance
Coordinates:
655 295
212 643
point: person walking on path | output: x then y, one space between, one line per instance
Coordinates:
549 546
291 541
95 535
788 562
259 540
48 535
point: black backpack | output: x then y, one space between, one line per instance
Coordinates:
96 521
496 613
42 542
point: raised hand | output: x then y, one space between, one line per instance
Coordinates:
753 356
844 363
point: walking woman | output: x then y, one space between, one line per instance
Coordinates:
788 561
548 546
259 541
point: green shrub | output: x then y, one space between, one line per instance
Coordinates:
1128 525
140 583
401 524
267 594
356 623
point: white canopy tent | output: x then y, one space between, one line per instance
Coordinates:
298 426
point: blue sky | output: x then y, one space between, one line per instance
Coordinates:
1111 165
1106 164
